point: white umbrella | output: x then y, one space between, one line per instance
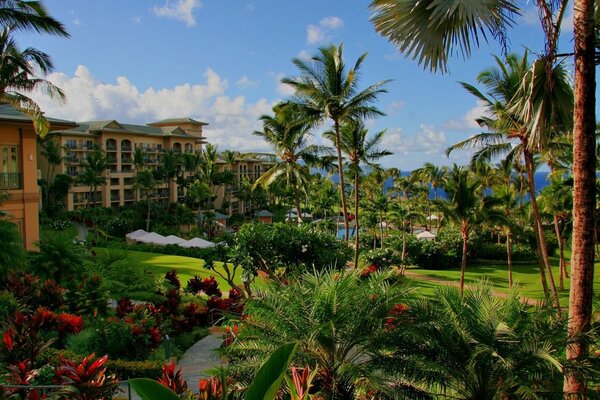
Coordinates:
197 242
172 239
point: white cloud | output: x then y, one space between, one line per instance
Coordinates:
395 106
251 6
332 22
231 120
246 83
282 88
428 141
182 10
314 34
137 19
323 31
468 121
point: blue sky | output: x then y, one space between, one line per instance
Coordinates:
221 62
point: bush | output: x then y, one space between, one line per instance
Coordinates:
382 258
134 369
497 251
60 224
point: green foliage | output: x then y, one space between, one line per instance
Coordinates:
8 304
12 255
125 369
382 258
288 249
497 251
87 296
59 258
268 378
149 389
477 347
124 277
333 315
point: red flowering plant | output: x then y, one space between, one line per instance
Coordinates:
210 389
380 259
87 380
230 335
392 321
20 373
300 382
124 307
23 336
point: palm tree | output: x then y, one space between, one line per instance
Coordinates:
19 78
146 182
231 158
403 217
359 148
409 25
169 167
52 150
475 346
507 203
94 172
140 157
200 192
507 87
26 15
287 132
465 207
326 90
334 316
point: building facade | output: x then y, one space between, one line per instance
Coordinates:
119 141
19 171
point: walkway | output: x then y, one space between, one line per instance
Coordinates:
200 357
82 231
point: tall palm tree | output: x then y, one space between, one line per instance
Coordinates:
52 151
508 91
169 167
430 30
146 182
359 148
465 207
20 72
327 90
140 158
288 133
403 217
507 203
94 173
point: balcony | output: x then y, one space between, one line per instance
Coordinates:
126 148
111 147
126 160
10 180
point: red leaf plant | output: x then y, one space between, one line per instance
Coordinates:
87 380
173 379
210 389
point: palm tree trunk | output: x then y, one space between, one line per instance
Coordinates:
297 201
336 127
584 196
509 259
147 213
356 198
561 268
539 229
463 263
403 248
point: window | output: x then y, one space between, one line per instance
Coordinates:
10 168
114 181
72 143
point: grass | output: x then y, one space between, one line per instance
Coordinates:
45 230
186 267
525 276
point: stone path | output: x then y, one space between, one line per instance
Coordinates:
82 231
200 357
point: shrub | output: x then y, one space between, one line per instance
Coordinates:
88 297
173 279
60 224
382 258
497 251
134 369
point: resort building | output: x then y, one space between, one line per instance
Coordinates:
119 141
19 171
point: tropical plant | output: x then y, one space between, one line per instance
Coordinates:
288 133
52 151
333 315
327 90
12 254
59 258
359 149
94 173
465 207
146 182
401 215
474 345
408 24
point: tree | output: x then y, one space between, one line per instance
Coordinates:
401 215
200 192
94 172
25 15
59 258
287 132
506 198
475 346
146 182
326 90
465 207
463 25
140 157
20 72
52 150
358 147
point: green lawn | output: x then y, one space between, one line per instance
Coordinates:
526 278
187 267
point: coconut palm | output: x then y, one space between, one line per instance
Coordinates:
288 133
146 182
26 15
474 346
465 207
140 158
359 148
507 199
326 89
94 172
334 316
403 217
508 88
431 30
20 72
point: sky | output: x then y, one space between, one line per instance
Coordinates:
221 62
